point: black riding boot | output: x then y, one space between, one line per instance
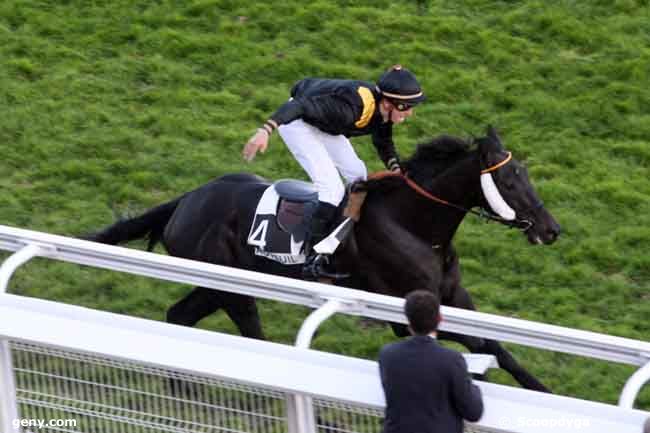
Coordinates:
321 224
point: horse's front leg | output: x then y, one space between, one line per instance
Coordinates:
379 285
454 295
386 258
411 276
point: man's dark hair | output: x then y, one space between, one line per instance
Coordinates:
422 309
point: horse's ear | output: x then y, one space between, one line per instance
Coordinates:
492 133
493 143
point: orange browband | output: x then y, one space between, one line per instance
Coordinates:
499 165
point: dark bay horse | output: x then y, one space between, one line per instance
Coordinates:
402 242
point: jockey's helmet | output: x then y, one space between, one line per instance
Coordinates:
400 87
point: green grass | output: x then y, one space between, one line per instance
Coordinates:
116 106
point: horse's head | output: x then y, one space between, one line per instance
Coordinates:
509 194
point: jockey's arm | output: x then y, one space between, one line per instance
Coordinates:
328 112
382 138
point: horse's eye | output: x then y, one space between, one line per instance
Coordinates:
505 182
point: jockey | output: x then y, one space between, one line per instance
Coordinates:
320 116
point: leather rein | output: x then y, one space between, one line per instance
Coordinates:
522 224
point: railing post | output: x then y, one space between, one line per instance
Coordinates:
313 321
301 414
633 386
14 261
301 406
8 404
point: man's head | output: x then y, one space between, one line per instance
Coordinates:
422 309
400 92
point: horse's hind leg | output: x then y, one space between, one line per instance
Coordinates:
198 304
202 302
461 299
242 310
220 245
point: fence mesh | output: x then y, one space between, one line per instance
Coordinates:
73 392
109 396
337 417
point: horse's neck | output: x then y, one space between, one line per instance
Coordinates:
460 186
426 219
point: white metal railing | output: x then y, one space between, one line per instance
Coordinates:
115 373
354 302
333 299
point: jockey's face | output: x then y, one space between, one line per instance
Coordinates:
391 112
398 116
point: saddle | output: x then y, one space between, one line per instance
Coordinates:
298 201
282 221
281 226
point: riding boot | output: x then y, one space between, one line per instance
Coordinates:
321 224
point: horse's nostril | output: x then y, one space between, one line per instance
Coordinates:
554 232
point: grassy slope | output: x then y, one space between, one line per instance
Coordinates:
119 105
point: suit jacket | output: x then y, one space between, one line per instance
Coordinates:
428 388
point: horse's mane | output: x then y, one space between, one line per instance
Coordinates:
429 160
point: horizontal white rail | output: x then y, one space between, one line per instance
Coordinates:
356 302
187 350
280 367
72 327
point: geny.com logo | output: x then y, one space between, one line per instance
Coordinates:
42 423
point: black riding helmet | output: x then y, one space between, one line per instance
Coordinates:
400 86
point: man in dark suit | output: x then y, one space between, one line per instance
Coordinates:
428 388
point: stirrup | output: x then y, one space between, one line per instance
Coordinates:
315 267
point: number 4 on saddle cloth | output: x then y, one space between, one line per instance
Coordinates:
282 222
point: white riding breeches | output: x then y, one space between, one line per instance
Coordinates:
324 156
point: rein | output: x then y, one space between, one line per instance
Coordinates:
423 192
481 214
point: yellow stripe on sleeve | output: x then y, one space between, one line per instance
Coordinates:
368 107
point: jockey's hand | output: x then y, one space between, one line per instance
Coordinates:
393 165
258 142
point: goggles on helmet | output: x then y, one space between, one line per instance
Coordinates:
401 105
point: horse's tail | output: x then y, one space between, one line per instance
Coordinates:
151 223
